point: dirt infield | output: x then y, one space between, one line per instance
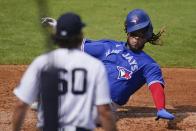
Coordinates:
137 115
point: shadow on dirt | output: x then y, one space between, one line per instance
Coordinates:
180 112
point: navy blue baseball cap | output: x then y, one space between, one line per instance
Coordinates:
69 24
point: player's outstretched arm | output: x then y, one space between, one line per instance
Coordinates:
18 115
106 117
158 94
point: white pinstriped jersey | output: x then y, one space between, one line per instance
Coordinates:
75 110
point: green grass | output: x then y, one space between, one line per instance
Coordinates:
21 39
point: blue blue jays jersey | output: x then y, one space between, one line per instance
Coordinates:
127 70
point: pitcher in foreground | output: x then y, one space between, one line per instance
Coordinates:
81 84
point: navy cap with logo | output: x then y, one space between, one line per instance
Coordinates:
69 24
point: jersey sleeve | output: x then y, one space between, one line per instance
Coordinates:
27 90
152 74
102 87
94 48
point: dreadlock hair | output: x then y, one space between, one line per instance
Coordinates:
155 39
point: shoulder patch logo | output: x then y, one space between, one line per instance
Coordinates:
124 73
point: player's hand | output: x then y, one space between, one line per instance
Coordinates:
164 115
48 21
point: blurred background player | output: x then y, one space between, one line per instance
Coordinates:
128 66
85 82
